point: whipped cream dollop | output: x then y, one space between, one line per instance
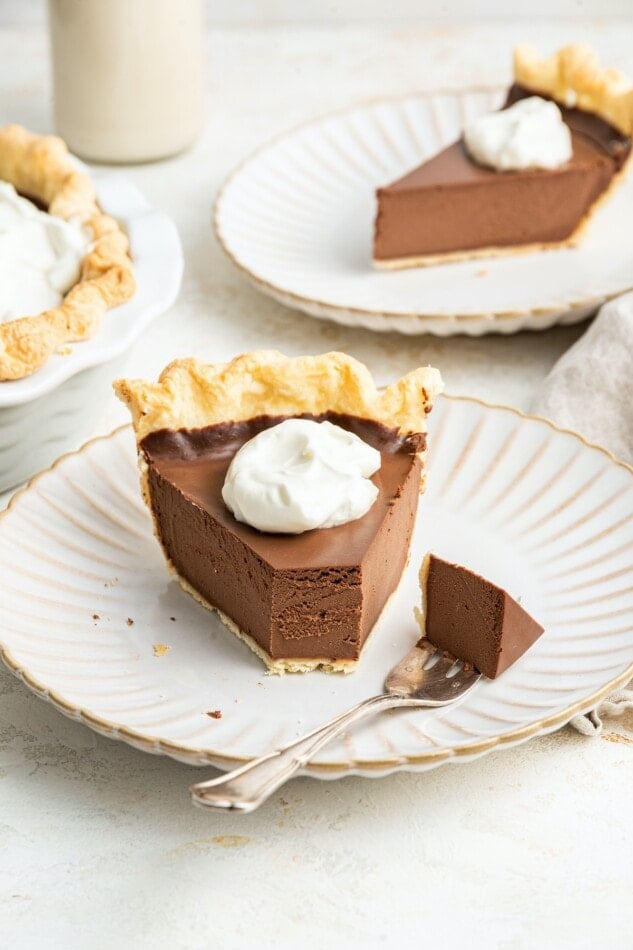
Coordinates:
40 256
529 134
300 475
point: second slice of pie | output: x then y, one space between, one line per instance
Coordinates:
456 206
299 600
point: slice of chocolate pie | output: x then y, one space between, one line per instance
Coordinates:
472 618
310 431
526 178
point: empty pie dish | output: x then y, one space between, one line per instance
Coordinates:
44 414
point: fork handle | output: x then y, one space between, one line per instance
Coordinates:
248 786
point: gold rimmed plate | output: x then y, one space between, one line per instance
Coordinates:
91 621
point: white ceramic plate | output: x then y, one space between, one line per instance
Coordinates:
297 218
533 508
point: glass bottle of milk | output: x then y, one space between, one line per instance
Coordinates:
128 76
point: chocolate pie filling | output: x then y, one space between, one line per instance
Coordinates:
474 619
313 595
447 205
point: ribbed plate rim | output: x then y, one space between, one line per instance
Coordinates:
368 768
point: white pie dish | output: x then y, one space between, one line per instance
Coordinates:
297 219
43 414
92 621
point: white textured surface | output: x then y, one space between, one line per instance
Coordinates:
264 12
100 847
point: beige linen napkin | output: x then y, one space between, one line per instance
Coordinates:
590 390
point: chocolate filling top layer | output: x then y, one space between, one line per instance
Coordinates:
196 461
226 438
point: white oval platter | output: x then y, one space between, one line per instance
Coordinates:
87 607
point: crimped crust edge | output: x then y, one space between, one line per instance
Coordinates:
573 77
190 394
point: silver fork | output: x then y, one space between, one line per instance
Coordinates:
424 677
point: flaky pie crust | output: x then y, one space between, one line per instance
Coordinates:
573 77
40 167
191 395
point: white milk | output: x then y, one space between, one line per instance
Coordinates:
128 76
